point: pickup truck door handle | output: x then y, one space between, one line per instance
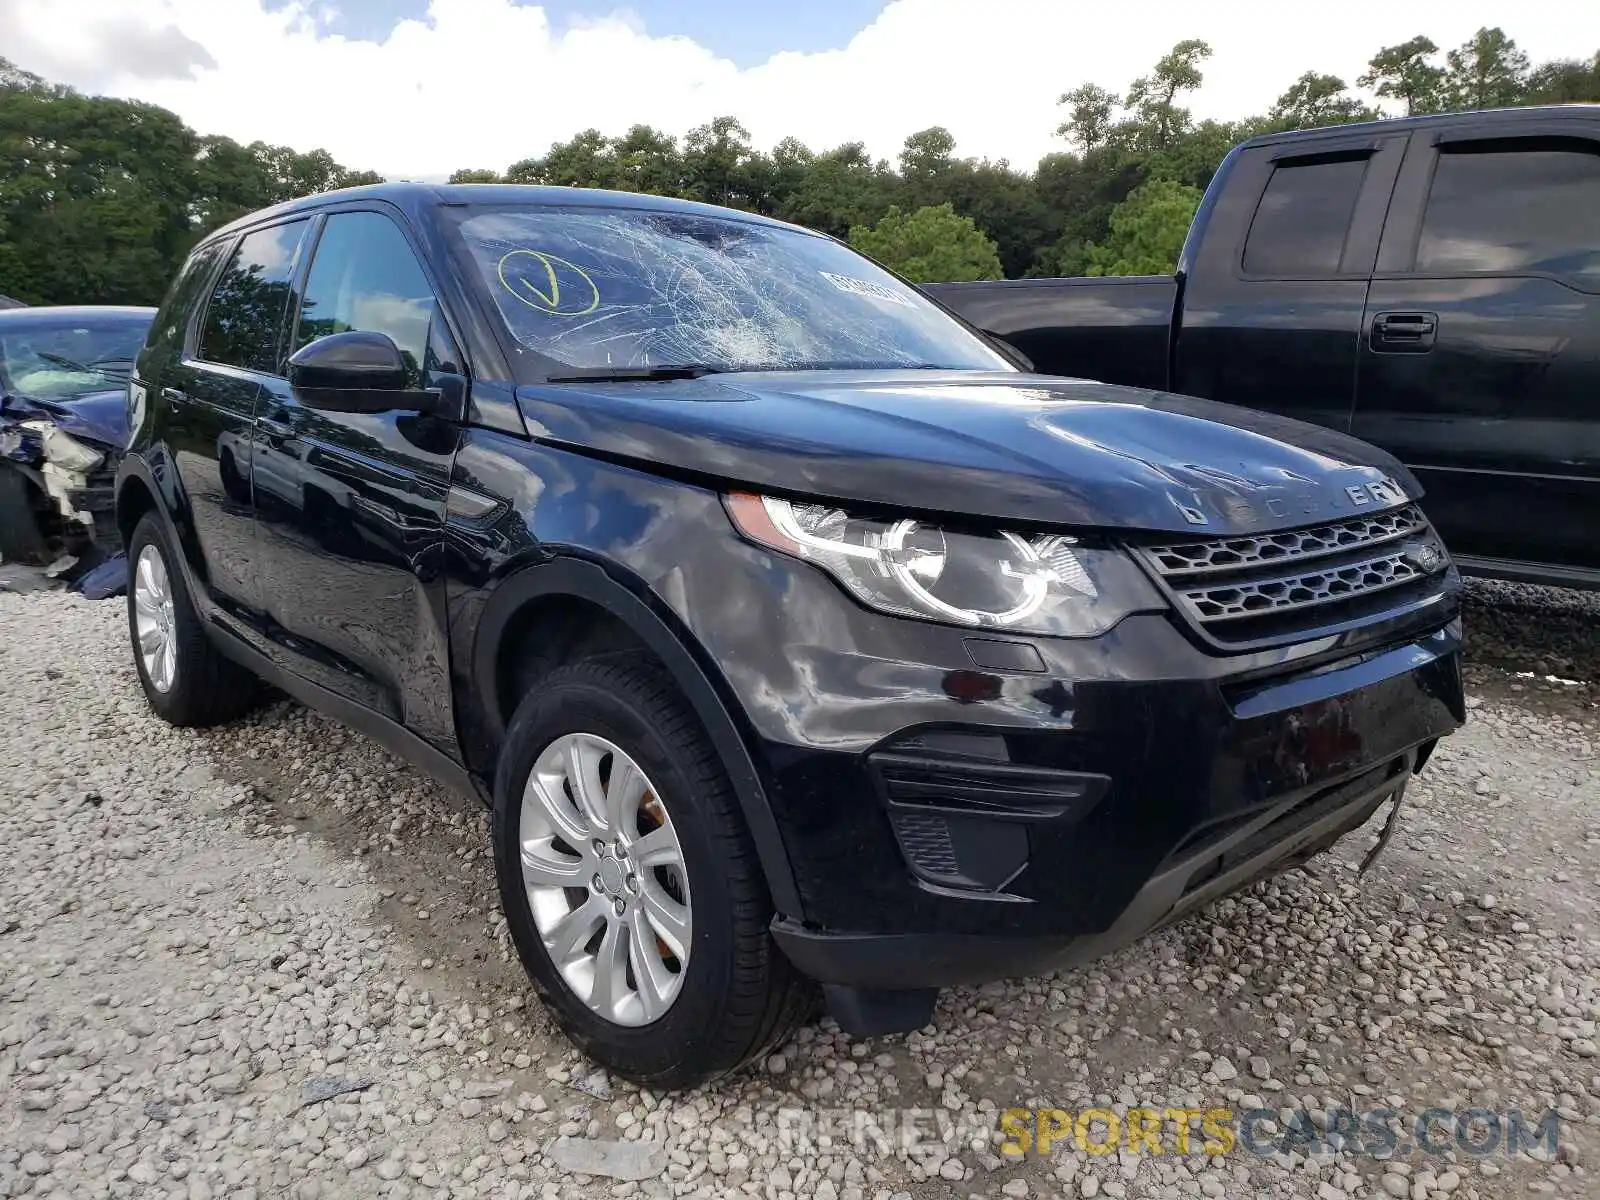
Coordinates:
275 432
1404 332
173 396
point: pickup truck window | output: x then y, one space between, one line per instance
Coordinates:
245 315
608 287
1304 215
1509 206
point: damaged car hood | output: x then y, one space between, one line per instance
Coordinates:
1001 445
96 416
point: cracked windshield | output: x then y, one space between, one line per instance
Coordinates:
595 289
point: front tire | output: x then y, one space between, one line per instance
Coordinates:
186 680
21 538
629 882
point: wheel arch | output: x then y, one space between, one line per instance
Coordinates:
581 581
134 499
142 488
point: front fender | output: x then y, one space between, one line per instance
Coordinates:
565 576
153 469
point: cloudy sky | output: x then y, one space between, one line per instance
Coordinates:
416 88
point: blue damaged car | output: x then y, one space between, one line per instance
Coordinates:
63 424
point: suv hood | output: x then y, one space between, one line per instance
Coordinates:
1003 446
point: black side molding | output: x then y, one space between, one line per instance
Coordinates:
391 735
1516 571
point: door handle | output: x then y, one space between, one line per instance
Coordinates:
1404 332
174 395
275 432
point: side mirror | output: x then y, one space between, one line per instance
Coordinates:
355 371
368 361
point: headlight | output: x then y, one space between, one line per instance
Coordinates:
66 451
1027 583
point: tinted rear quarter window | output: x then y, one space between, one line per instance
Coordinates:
245 316
1300 225
172 319
1513 206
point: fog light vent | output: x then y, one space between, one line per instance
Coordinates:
972 786
926 841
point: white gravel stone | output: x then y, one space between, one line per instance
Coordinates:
195 925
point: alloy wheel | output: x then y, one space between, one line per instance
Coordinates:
605 879
155 621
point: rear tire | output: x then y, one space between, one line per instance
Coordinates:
197 685
736 996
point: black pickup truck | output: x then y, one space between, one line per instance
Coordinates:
1431 285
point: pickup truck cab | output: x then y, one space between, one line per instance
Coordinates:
1430 285
793 634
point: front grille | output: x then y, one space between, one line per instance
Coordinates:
1273 586
1293 545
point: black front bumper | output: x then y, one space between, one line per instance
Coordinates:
953 810
956 806
1269 840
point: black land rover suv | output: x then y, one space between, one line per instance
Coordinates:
793 632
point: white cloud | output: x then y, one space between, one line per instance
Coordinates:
485 82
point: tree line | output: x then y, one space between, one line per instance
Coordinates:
101 199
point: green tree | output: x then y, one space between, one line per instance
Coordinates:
95 195
1147 230
1315 100
14 79
716 162
291 173
1488 71
1194 158
1407 73
585 160
1565 81
1153 98
100 198
929 245
927 153
474 175
229 181
1003 203
836 190
647 160
1089 120
1079 196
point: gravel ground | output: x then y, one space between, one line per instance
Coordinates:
204 934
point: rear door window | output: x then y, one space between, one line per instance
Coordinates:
1304 216
174 320
244 320
1511 206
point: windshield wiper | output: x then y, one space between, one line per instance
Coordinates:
629 374
57 360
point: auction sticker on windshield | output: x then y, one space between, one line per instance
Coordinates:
864 287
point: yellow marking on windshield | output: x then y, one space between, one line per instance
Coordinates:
537 283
